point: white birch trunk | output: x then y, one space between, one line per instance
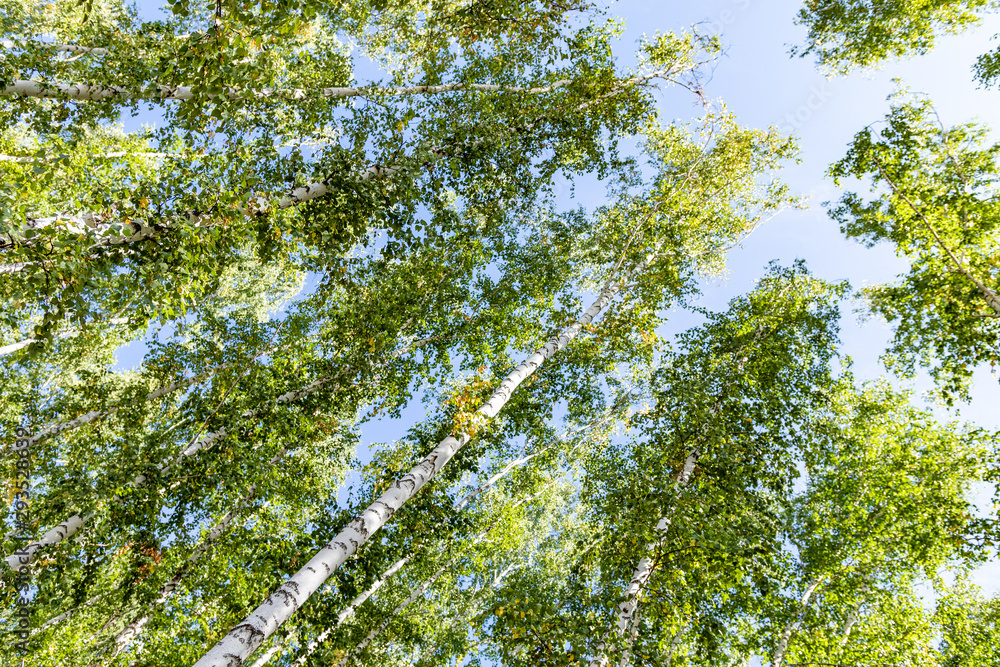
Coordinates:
632 636
20 345
778 659
989 294
642 572
14 267
94 415
351 608
414 594
644 569
420 590
244 639
400 563
66 614
464 616
852 617
29 159
674 643
271 652
849 623
135 627
58 48
85 92
14 347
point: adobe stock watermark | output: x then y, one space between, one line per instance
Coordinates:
819 95
728 16
22 522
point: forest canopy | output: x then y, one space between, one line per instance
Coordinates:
341 215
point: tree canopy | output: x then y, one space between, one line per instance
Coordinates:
347 214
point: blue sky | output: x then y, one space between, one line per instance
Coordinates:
763 85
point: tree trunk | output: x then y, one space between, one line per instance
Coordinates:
632 636
66 614
29 159
135 627
243 639
58 48
644 569
85 92
419 590
400 563
778 659
69 527
20 345
351 608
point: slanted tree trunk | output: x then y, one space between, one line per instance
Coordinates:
420 590
68 528
85 92
467 611
135 627
66 614
20 345
244 639
989 294
58 48
644 569
778 659
314 644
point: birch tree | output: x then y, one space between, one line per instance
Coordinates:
935 199
844 34
885 507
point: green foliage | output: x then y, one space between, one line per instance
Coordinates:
935 200
844 34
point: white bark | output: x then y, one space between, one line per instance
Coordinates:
59 48
420 590
464 616
20 345
644 569
642 572
14 267
351 608
632 636
674 643
271 652
28 159
66 614
63 531
14 347
135 627
989 294
414 594
94 415
85 92
849 623
852 617
400 563
778 659
242 640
